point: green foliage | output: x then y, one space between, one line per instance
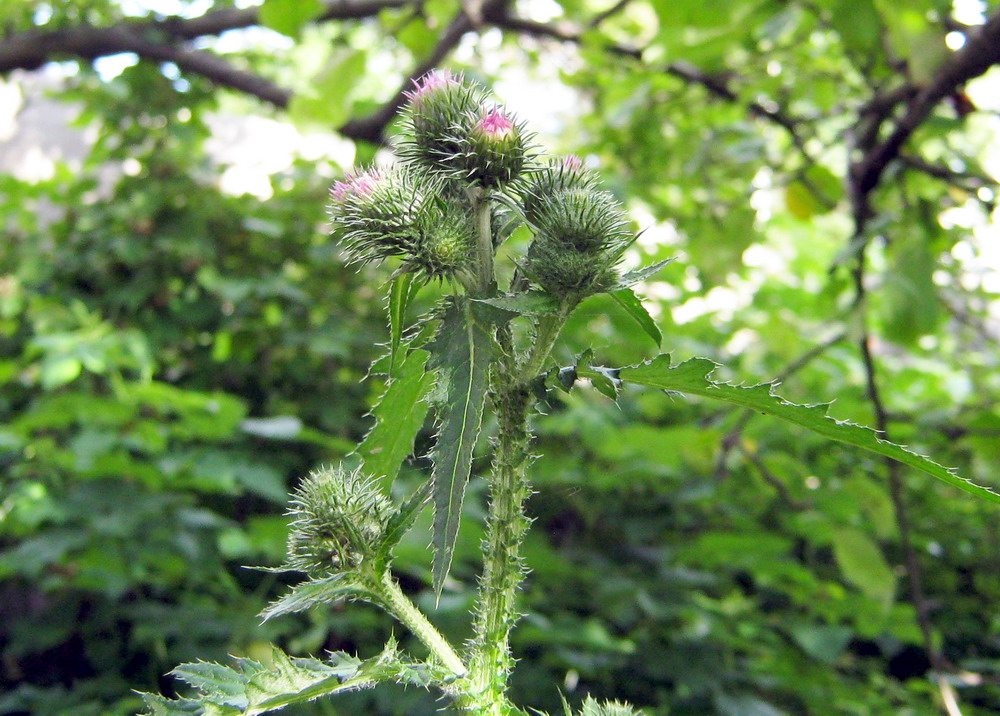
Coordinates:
255 688
398 416
692 377
173 357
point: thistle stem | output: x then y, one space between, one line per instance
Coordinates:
503 571
399 605
481 202
546 334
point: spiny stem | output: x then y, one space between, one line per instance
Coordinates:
481 202
546 333
399 605
503 569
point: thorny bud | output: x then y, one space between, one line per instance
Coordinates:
381 213
454 134
608 708
339 521
581 231
494 150
438 116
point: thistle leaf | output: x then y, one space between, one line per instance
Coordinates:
160 706
403 520
627 299
633 277
313 592
252 688
529 303
692 377
463 350
399 415
401 292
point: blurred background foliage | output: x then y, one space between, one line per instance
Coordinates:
180 343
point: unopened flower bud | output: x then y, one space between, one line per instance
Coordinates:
580 231
494 151
437 118
378 214
339 521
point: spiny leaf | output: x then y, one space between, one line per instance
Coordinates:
462 352
528 303
254 688
312 592
627 299
403 519
399 415
401 292
160 706
633 277
692 377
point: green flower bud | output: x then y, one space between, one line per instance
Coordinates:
494 151
447 241
373 213
438 118
566 174
339 521
566 273
581 232
377 214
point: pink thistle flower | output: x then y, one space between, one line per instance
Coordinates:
431 82
365 183
359 185
572 163
340 191
496 124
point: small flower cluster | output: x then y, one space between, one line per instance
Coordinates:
455 132
581 232
457 147
377 214
339 518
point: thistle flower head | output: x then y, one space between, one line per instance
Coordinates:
377 214
430 83
339 521
453 133
580 231
361 184
495 125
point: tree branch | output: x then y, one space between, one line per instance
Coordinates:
30 50
980 52
151 39
689 73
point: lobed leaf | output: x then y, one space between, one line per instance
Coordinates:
399 415
692 377
528 303
252 688
463 350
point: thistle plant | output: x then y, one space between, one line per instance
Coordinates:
467 175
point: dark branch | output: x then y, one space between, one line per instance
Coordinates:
30 50
690 74
981 51
372 127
